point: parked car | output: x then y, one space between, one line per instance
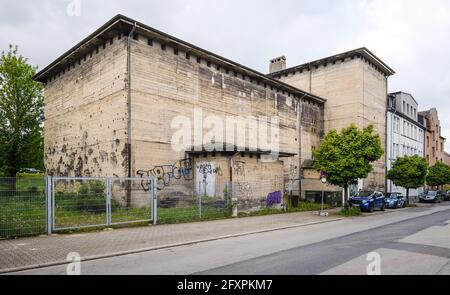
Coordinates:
395 200
445 195
431 197
368 201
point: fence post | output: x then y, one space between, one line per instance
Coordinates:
234 200
200 205
108 201
155 201
48 204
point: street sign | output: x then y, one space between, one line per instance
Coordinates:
323 177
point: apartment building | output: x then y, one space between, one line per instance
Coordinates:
434 141
405 135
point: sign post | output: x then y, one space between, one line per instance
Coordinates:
324 180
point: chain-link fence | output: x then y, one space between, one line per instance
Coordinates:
96 202
178 204
79 203
131 201
39 205
22 206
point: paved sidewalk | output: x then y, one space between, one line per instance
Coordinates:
28 253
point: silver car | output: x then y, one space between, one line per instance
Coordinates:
431 197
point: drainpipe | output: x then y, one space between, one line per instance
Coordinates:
300 129
390 157
129 96
386 181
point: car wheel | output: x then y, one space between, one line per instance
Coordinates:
383 207
372 208
404 205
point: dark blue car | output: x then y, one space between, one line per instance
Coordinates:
368 201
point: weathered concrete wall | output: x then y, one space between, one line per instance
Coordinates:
86 121
356 93
86 116
167 85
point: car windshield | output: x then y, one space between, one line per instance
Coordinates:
432 193
365 194
393 196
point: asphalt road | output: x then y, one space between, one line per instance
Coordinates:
411 241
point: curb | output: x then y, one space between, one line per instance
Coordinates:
143 250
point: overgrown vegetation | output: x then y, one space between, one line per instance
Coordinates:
302 207
350 211
22 206
21 115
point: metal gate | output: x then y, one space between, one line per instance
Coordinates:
81 202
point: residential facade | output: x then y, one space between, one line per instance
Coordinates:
447 159
114 102
405 135
355 85
434 141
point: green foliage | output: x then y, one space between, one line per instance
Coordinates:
89 197
302 207
21 115
409 172
438 175
348 212
30 175
347 155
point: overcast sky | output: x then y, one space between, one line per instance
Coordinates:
412 37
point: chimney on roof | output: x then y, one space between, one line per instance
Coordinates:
277 64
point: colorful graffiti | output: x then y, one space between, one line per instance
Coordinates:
273 199
165 174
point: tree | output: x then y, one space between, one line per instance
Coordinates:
409 172
346 156
21 115
438 175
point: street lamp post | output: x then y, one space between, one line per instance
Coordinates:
324 180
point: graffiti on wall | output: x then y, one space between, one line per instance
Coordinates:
245 189
208 168
165 174
239 168
206 178
273 199
292 182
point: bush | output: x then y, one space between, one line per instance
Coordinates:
350 211
89 197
